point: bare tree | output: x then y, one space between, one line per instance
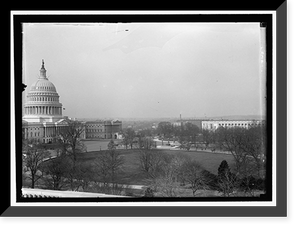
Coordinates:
71 145
145 143
208 137
166 187
55 171
34 156
108 166
168 180
70 139
150 163
101 169
232 140
165 128
192 173
255 146
128 137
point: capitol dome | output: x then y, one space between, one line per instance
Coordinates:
42 100
43 85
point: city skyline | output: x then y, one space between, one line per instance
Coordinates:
148 69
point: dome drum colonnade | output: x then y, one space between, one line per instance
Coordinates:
45 110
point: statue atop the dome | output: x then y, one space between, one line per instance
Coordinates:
43 71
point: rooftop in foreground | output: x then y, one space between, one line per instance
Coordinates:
29 192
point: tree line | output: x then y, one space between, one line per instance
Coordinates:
166 174
248 147
171 175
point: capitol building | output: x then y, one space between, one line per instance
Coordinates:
43 119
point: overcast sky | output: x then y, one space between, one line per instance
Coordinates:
119 70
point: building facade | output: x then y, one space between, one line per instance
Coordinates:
214 124
103 129
194 121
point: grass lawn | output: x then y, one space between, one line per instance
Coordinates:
131 174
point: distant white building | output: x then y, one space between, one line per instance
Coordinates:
214 124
